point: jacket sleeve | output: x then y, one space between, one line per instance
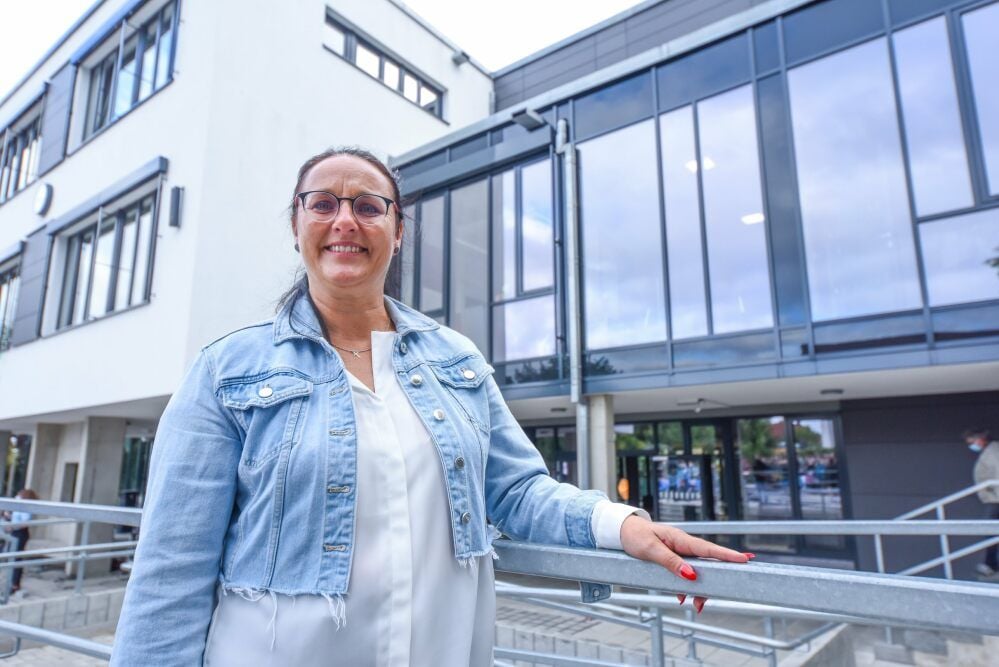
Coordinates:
522 499
192 480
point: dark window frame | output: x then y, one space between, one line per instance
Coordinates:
20 147
66 304
104 76
354 38
10 281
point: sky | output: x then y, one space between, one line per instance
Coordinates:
494 33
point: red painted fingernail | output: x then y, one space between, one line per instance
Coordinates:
681 597
699 607
688 573
748 555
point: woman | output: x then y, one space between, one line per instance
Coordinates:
345 459
19 533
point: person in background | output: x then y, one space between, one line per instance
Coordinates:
980 441
19 533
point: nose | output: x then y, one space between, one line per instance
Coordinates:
345 218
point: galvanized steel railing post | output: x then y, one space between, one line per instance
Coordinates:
81 563
768 629
656 630
691 640
945 546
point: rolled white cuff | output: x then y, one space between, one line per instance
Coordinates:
606 522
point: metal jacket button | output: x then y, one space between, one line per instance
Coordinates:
264 392
416 379
402 347
468 374
459 463
466 517
439 415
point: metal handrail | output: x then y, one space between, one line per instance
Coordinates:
891 599
947 500
887 527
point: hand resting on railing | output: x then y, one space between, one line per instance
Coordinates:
665 544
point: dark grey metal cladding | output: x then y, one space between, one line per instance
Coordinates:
31 293
481 161
889 444
55 118
633 34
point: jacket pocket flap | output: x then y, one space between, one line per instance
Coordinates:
264 392
467 372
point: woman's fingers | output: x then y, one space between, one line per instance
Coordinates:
688 545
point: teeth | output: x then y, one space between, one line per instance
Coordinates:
345 248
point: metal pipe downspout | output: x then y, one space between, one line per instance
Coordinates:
567 150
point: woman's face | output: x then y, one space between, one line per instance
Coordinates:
344 254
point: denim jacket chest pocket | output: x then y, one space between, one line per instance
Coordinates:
271 410
463 379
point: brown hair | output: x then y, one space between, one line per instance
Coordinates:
27 494
301 284
352 151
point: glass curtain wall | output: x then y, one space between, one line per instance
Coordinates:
623 290
852 189
496 238
719 165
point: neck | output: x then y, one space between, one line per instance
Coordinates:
350 318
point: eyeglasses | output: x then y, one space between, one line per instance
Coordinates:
323 206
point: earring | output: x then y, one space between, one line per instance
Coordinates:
297 249
395 251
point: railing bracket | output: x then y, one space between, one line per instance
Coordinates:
592 592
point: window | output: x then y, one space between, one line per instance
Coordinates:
431 260
523 263
20 145
851 180
133 71
937 159
961 257
9 282
106 262
980 29
623 296
360 50
469 253
726 169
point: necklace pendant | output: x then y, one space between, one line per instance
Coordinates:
357 355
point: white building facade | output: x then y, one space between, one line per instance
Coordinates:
147 167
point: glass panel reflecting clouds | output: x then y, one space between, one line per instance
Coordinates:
688 309
961 256
524 329
536 226
854 204
733 213
407 267
432 254
622 244
932 120
504 236
469 255
980 30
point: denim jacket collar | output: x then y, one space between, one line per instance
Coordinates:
298 319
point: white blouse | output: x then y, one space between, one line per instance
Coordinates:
409 602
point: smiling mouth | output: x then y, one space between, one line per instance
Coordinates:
350 249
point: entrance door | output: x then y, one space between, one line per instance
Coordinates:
789 470
689 471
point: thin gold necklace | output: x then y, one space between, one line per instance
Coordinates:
356 353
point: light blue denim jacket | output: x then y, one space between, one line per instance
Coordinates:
253 474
